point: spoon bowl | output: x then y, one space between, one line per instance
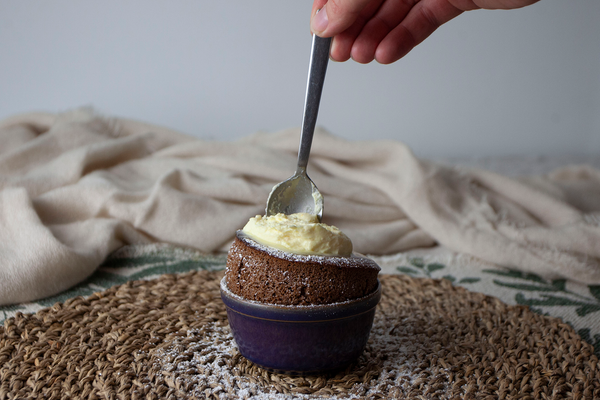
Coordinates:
297 194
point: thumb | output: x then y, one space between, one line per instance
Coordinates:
335 16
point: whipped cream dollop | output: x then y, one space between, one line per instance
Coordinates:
300 233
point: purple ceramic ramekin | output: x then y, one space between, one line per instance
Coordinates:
300 340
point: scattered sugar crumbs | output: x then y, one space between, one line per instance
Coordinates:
208 365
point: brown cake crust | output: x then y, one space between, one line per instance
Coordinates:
261 273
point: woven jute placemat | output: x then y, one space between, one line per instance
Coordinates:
168 338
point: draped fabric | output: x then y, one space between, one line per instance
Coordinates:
76 186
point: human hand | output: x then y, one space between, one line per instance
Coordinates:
386 30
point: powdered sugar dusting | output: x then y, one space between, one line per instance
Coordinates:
202 367
208 364
355 260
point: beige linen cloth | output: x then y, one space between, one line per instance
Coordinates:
74 187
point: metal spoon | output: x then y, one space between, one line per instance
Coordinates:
299 194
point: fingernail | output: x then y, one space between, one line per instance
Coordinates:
320 21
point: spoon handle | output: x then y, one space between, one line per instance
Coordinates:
316 75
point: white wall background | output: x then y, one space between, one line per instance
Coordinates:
487 83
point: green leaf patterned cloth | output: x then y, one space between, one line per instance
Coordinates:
575 303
